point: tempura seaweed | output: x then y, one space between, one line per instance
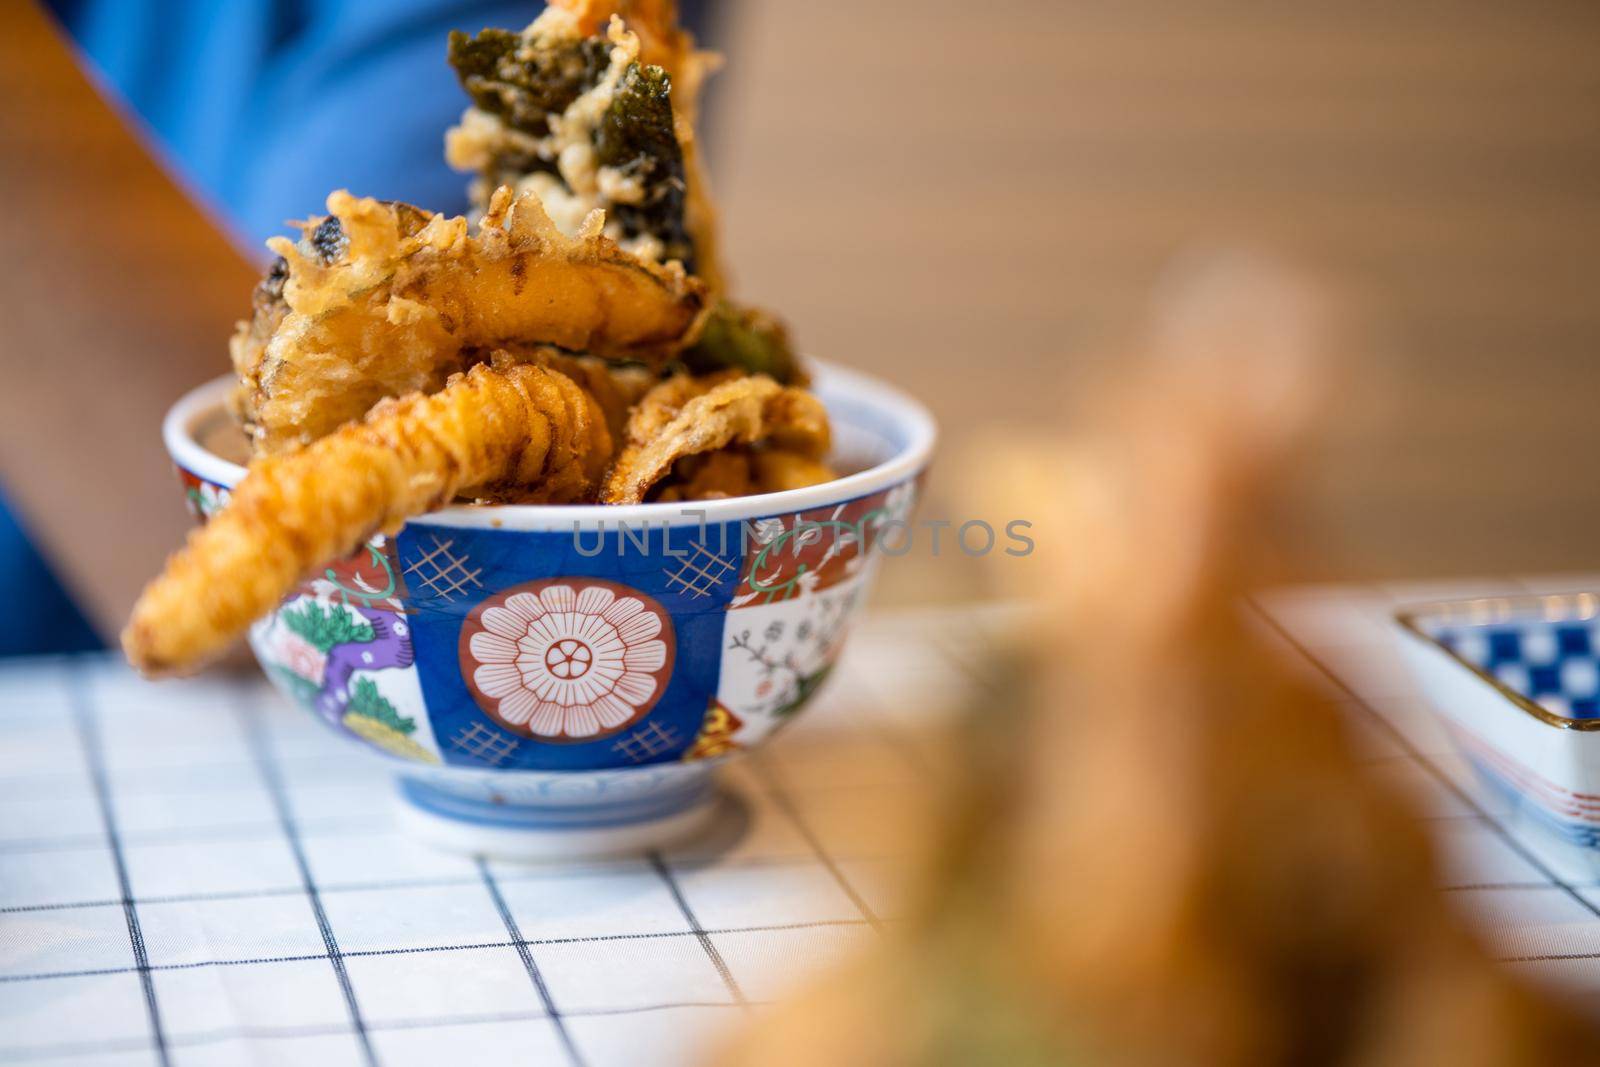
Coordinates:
580 121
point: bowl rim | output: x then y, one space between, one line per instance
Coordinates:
908 416
1500 610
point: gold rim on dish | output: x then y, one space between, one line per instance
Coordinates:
1491 611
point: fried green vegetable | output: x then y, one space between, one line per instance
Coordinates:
528 83
525 82
746 337
637 138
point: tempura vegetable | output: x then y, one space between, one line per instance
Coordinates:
579 122
709 476
778 470
663 42
593 106
741 471
748 338
383 299
687 416
578 308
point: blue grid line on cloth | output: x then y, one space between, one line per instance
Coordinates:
260 864
528 962
234 954
84 718
1456 788
1534 899
261 747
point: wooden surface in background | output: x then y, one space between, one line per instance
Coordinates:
975 199
116 295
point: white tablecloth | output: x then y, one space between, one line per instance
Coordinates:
195 873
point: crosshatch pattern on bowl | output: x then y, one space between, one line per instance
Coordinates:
382 645
546 681
586 639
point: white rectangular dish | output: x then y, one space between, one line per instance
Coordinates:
1517 681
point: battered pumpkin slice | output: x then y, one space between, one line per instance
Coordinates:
688 416
382 299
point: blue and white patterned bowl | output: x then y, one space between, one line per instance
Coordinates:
1517 680
562 679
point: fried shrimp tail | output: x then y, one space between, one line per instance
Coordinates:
686 416
489 431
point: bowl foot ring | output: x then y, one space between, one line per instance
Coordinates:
516 833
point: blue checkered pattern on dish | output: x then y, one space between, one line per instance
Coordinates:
1556 665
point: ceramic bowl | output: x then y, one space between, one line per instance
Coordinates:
1517 680
562 680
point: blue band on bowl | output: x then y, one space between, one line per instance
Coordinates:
533 817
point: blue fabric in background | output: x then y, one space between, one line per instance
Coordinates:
261 108
265 106
41 617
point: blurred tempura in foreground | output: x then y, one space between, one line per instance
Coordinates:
1161 850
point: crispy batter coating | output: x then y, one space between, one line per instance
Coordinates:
733 472
384 299
779 469
746 338
663 42
485 432
687 416
658 407
580 122
712 476
616 387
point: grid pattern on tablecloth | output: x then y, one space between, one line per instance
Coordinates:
194 873
1535 900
